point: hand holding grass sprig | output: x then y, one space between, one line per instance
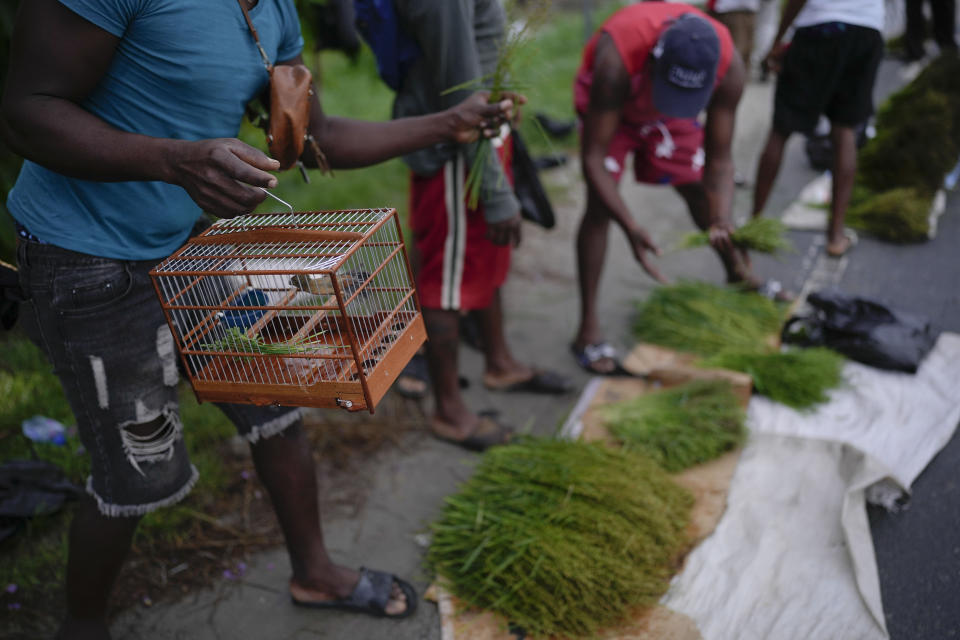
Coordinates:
479 115
765 235
720 235
501 87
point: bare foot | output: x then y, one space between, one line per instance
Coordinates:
476 433
837 248
507 372
454 425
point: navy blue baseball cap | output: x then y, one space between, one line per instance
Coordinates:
685 66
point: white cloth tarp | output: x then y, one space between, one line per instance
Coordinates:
793 556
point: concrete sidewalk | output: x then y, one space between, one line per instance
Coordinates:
407 483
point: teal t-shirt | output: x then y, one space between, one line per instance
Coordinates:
183 69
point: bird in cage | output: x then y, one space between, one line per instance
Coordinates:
317 284
321 285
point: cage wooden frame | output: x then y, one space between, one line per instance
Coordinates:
311 309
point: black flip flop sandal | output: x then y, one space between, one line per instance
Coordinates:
370 596
545 382
593 353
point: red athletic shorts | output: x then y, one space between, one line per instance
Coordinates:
667 151
459 268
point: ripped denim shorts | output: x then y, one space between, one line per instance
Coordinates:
99 322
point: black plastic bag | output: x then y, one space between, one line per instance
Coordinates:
534 204
30 488
863 330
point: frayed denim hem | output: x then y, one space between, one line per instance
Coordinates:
131 510
273 427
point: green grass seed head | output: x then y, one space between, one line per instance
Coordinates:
236 340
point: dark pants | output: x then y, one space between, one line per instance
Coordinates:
944 24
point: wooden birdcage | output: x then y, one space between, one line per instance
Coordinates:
312 309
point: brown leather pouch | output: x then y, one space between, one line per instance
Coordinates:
290 91
291 88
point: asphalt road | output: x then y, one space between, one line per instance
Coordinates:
918 547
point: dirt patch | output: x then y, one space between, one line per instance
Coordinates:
343 441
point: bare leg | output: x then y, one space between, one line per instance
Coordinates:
844 141
591 253
98 546
498 359
285 466
767 170
735 263
454 418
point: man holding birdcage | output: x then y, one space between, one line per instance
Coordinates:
126 112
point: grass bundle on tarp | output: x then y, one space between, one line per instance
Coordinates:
798 378
702 318
898 215
765 235
917 144
561 537
914 146
941 76
682 426
732 329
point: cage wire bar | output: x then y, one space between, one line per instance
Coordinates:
310 309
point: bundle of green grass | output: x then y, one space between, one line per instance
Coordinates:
559 537
798 378
702 318
765 235
941 76
914 146
917 144
682 426
735 329
899 215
